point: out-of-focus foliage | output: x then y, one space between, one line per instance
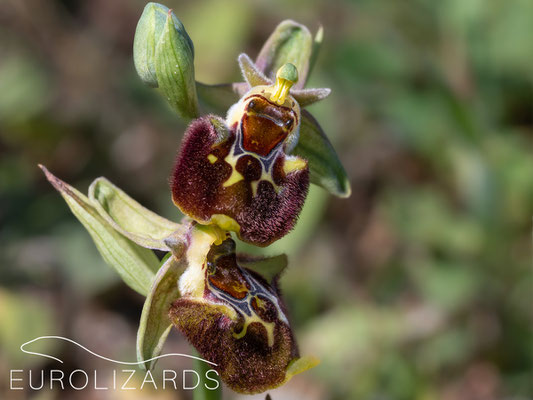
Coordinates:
417 287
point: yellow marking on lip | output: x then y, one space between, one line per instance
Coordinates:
292 164
224 222
212 158
260 303
254 185
223 308
235 177
264 177
269 326
239 288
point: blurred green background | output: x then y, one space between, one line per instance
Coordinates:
418 286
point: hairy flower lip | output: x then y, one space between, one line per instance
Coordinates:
211 185
235 317
256 350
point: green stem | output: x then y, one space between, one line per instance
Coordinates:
201 392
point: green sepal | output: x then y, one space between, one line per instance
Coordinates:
325 167
128 217
203 392
174 67
269 268
290 42
317 44
155 324
135 264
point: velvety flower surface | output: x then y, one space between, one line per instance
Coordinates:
237 173
248 173
227 305
236 319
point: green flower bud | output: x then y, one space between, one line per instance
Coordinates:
163 54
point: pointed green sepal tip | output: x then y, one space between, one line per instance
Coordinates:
135 264
163 54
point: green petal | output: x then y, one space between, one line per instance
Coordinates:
306 97
134 264
155 324
325 167
252 75
128 217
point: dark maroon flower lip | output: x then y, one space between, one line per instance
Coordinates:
215 181
235 317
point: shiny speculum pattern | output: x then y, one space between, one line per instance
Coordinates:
249 295
247 173
238 175
264 126
243 328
